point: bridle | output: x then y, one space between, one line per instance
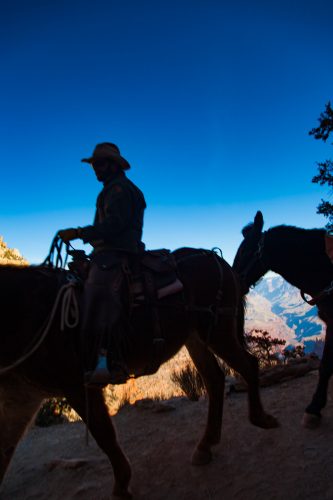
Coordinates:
321 295
257 258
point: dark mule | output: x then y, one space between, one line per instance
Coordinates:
207 317
299 256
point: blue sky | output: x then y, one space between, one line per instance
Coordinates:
210 101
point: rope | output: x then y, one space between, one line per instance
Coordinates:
69 308
70 313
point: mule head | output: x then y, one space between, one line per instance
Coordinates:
248 262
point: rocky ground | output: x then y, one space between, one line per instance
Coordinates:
250 464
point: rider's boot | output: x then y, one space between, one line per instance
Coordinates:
103 375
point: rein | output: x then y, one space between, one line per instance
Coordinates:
321 295
257 257
54 258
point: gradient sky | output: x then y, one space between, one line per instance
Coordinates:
211 102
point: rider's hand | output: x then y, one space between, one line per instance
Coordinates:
68 234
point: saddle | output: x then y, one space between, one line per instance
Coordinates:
147 278
151 276
156 277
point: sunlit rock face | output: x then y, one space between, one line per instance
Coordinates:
278 307
10 255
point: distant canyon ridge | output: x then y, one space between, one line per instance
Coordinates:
273 305
277 307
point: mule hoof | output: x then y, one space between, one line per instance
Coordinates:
311 421
201 457
265 421
121 493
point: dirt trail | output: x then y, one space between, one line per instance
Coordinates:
249 464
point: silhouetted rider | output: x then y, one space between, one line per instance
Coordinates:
116 236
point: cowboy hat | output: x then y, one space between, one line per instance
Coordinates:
107 150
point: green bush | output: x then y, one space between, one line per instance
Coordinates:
264 347
294 352
52 412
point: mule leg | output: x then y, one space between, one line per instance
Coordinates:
312 412
214 379
101 427
19 403
240 360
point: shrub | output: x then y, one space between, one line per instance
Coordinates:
52 412
264 347
190 382
294 352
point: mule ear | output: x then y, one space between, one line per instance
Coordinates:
247 229
259 221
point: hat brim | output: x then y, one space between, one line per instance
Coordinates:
117 158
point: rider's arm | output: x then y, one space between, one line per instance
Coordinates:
117 212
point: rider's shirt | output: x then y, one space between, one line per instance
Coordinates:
118 220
